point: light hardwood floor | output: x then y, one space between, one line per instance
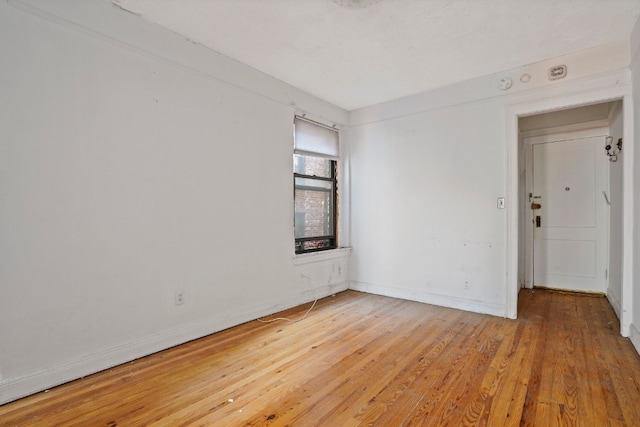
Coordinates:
360 359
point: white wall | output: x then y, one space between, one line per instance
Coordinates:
426 218
635 72
427 172
134 163
616 197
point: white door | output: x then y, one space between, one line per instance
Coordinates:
570 225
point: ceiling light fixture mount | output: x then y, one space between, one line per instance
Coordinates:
355 4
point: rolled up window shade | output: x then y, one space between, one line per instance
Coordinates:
314 139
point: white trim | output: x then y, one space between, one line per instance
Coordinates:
313 257
603 123
588 131
16 388
634 335
558 103
512 214
615 303
477 91
475 306
628 194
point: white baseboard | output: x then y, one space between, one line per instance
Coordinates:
16 388
615 303
634 335
428 298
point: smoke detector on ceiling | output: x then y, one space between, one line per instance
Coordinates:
505 83
355 4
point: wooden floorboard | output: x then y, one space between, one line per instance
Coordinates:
365 360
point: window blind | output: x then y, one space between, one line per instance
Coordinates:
315 139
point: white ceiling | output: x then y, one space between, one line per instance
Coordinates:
366 54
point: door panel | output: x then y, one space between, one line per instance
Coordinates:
569 258
570 245
568 183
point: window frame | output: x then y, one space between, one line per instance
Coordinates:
332 239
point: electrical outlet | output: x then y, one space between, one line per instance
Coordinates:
179 297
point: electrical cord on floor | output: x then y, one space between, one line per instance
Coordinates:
303 316
291 320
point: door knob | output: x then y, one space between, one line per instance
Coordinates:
536 205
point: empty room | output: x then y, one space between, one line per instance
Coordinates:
319 213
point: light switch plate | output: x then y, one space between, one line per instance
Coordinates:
500 202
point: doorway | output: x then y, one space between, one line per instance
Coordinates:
567 209
520 216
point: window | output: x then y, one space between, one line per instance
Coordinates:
315 186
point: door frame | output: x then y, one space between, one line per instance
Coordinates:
513 225
550 138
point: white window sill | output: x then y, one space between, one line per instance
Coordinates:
320 256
